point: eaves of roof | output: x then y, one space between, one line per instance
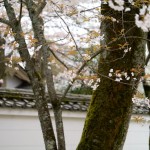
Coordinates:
19 98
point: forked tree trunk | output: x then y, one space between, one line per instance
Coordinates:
38 24
111 105
36 81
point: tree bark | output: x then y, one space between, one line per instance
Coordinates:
110 109
146 84
37 82
38 24
2 59
43 113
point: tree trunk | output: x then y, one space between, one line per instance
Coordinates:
2 59
110 109
43 113
38 24
36 80
146 83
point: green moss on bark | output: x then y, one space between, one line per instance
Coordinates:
110 109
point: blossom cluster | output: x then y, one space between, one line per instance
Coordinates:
119 6
63 79
142 19
92 83
120 75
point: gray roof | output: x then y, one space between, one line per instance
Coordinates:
17 98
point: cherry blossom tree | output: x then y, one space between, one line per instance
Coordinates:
123 60
60 44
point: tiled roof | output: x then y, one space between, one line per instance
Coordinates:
24 99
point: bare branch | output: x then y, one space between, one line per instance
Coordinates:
10 12
79 71
137 37
40 7
20 13
58 58
7 22
59 39
69 32
82 11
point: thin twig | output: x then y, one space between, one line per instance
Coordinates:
58 58
70 34
61 39
20 13
78 72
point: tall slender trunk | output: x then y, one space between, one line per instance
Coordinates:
38 24
110 109
56 103
43 113
36 80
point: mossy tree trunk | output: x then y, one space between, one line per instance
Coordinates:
2 59
146 83
111 105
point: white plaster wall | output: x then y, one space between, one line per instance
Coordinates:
20 130
137 137
12 82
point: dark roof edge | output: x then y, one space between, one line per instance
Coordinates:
23 98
